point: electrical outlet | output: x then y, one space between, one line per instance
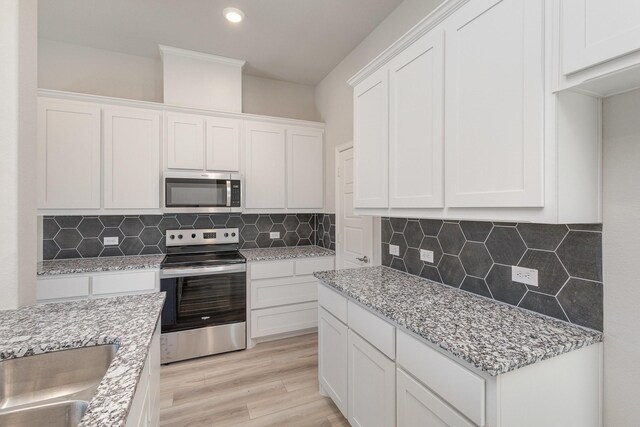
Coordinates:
528 276
274 235
426 255
394 250
110 241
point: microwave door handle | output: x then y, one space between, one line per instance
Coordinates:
228 193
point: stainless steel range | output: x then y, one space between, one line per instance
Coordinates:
204 276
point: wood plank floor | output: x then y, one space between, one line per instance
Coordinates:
273 384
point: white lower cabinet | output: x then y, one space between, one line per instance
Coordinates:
145 407
332 358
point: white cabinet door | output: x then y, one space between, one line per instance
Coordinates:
595 31
416 126
131 159
305 160
185 142
494 107
333 358
418 406
265 184
223 144
68 155
371 141
372 385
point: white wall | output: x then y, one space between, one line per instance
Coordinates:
82 69
18 44
334 96
621 247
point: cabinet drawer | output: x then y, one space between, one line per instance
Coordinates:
129 282
64 287
286 290
333 302
268 270
310 266
278 320
373 329
461 388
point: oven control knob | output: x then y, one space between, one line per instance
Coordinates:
233 234
172 237
226 234
179 236
193 236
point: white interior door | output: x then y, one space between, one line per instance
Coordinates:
354 239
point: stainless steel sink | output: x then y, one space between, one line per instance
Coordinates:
55 386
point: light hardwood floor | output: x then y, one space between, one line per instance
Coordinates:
273 384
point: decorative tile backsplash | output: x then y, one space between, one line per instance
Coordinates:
477 257
83 236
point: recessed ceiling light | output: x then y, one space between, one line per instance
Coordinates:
233 15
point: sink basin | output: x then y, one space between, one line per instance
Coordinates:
52 387
63 414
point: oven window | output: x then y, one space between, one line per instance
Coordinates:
184 192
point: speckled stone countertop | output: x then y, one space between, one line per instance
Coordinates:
273 254
494 337
94 265
128 321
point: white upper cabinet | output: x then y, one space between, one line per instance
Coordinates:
416 141
494 114
595 31
371 141
68 155
185 142
131 158
223 144
305 166
265 168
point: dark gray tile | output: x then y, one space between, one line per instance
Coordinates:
398 224
264 223
263 240
150 250
90 227
582 301
386 230
277 218
68 221
304 230
111 220
250 218
544 304
219 220
203 222
49 249
542 236
586 227
150 236
49 228
304 242
398 264
326 222
111 232
432 244
581 254
476 286
131 227
501 286
131 246
68 254
291 238
110 251
412 261
168 223
451 238
413 234
291 223
505 245
430 273
68 238
551 274
249 232
476 231
235 222
249 245
476 259
451 271
186 219
308 218
162 245
430 227
278 228
90 248
386 256
398 240
505 224
150 220
278 243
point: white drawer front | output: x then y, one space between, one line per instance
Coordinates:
271 269
287 290
310 266
278 320
63 287
461 388
144 281
333 302
373 329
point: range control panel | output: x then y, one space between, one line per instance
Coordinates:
216 236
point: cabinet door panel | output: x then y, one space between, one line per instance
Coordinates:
416 126
494 112
305 159
68 155
595 31
223 145
332 358
265 167
371 142
131 136
185 142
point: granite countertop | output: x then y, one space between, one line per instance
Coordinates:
273 254
128 321
492 336
94 265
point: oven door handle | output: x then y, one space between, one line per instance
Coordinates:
166 273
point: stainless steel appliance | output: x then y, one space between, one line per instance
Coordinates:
204 276
202 192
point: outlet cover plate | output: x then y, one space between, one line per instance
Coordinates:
394 250
111 241
426 255
274 235
528 276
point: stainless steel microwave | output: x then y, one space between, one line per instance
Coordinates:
202 192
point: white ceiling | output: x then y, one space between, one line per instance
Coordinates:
292 40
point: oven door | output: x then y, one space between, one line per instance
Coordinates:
203 297
199 192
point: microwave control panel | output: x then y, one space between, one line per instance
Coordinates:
235 194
